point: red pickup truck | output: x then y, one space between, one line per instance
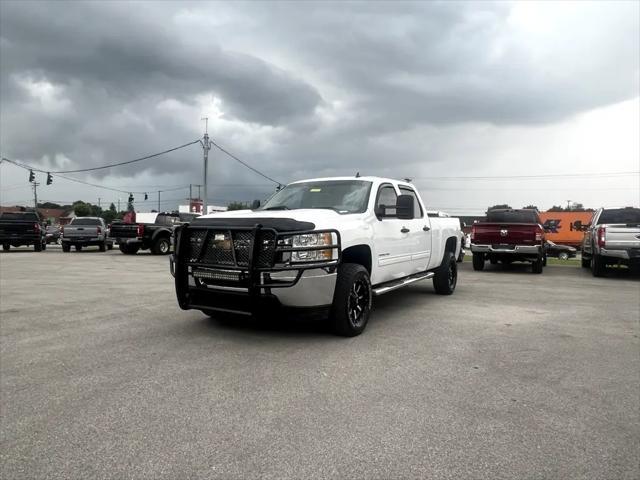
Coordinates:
509 236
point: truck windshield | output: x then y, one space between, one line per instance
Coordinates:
620 215
512 216
85 221
343 196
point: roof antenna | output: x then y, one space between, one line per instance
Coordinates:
357 174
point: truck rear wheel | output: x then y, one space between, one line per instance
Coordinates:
6 246
351 300
128 249
446 277
103 247
585 262
66 247
37 247
478 261
598 266
161 246
536 265
78 248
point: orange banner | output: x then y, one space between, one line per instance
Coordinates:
565 227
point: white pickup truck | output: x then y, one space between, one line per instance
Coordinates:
330 242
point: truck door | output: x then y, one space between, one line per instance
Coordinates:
420 234
393 241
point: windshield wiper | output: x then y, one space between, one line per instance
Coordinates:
279 207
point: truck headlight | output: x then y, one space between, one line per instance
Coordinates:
308 240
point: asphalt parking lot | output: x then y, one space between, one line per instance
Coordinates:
514 376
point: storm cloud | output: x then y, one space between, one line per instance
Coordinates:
305 89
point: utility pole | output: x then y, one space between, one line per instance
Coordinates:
568 205
118 204
158 200
190 196
98 201
206 146
35 194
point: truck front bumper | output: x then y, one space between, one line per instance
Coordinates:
249 288
308 289
529 250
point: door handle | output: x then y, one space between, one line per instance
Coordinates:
405 230
425 228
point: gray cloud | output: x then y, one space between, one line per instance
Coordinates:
305 88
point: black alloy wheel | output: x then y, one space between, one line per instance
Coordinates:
358 302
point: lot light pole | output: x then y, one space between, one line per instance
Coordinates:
206 146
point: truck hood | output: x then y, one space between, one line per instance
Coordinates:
321 219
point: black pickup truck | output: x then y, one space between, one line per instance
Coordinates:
157 236
22 228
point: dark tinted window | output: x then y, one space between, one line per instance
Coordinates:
167 219
19 216
387 198
86 221
620 215
417 208
512 216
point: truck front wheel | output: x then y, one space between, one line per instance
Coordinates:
351 300
6 246
37 247
478 261
66 247
446 276
536 265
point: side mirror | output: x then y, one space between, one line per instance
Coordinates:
255 204
404 207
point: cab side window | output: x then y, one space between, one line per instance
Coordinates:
387 198
417 208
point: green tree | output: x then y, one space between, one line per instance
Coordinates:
531 207
236 206
82 209
498 207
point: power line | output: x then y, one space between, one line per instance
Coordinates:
110 165
551 175
245 164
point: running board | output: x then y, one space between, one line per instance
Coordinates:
395 284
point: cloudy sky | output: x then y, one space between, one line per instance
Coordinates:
434 91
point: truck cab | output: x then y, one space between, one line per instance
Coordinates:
330 243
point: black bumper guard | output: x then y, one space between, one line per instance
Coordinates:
249 276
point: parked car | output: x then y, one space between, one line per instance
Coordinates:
331 243
84 232
156 233
507 236
562 252
22 229
52 234
612 237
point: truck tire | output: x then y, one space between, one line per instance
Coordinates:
78 248
564 256
493 260
103 247
128 249
161 246
478 261
598 266
66 247
536 265
585 261
37 247
351 300
110 246
446 277
6 246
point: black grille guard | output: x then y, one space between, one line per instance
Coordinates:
181 263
